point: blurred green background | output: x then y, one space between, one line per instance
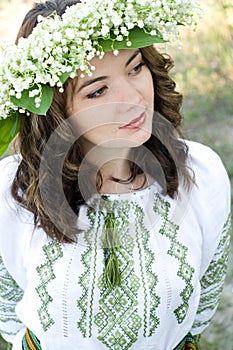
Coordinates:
204 74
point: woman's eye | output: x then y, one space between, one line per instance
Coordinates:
137 68
97 93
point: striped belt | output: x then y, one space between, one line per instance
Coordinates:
30 342
188 343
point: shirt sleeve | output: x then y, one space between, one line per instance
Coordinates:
212 201
12 272
10 295
212 282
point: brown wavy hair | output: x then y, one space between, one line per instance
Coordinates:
34 171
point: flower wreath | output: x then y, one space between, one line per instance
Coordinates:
58 46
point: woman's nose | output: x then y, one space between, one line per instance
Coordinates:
127 94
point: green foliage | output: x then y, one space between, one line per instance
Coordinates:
204 75
46 97
138 38
8 129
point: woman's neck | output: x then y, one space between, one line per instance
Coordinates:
114 164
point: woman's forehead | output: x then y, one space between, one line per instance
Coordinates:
110 60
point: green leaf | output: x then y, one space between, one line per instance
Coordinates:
138 37
66 75
8 130
28 103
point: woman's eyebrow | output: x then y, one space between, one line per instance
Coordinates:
132 57
92 81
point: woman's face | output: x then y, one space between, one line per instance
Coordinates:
114 107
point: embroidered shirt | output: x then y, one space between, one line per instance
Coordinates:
172 256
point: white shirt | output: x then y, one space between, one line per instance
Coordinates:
172 258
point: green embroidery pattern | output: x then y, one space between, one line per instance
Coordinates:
10 294
152 279
45 271
9 289
85 280
179 252
118 319
213 279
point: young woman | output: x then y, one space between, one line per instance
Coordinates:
114 231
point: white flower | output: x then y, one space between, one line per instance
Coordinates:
140 23
57 37
12 92
153 32
124 31
37 100
50 60
119 38
130 25
34 92
129 6
72 75
70 33
40 18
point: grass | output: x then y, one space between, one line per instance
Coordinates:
204 75
203 72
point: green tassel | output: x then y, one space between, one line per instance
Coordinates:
109 236
110 241
112 271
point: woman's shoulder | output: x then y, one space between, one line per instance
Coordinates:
207 166
12 160
210 197
202 154
8 168
211 192
10 210
16 224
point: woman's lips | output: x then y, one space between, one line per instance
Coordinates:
135 123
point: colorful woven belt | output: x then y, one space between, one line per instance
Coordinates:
188 343
30 341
